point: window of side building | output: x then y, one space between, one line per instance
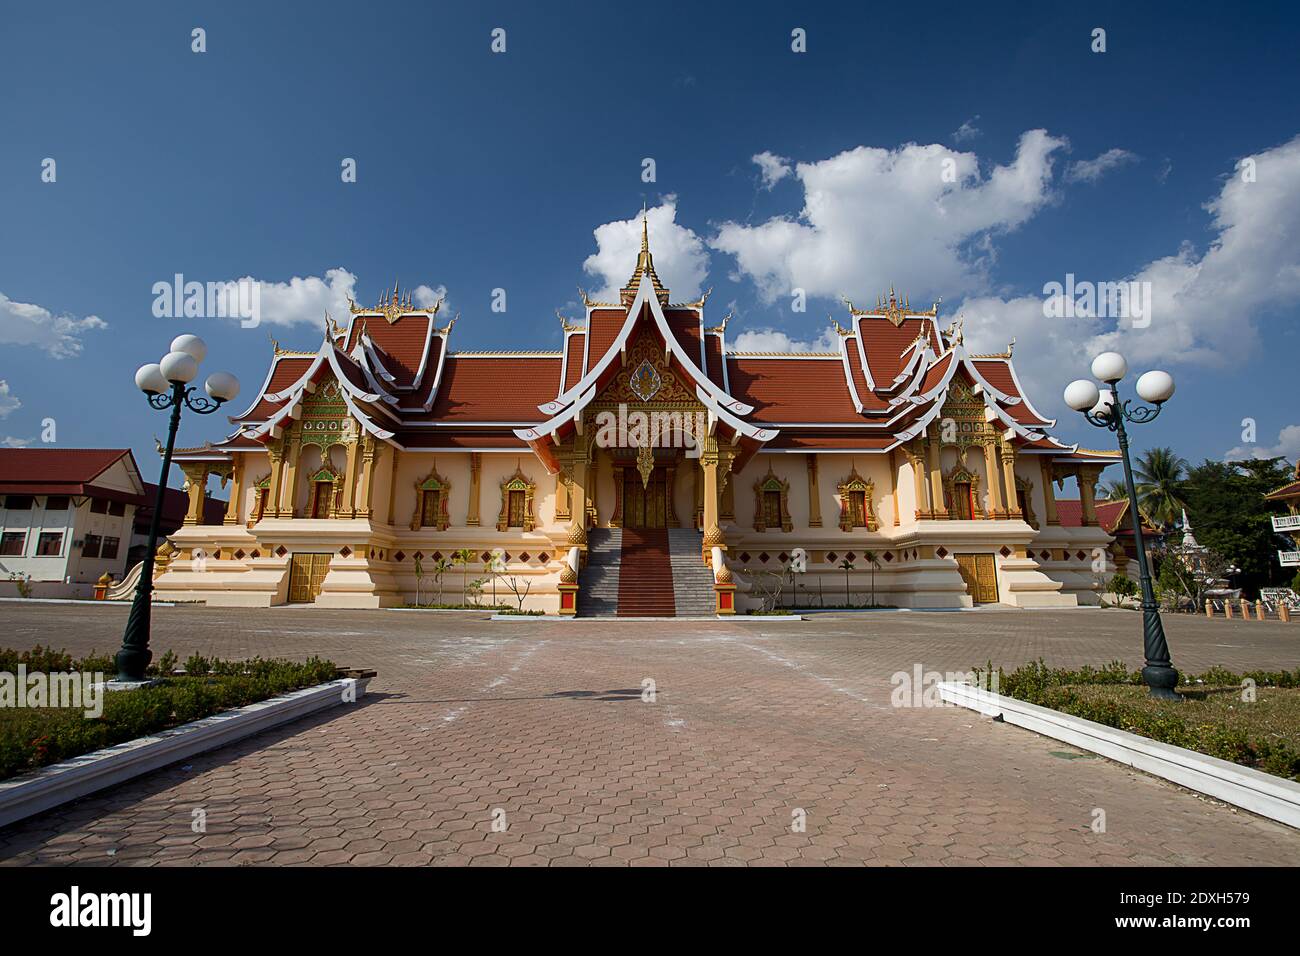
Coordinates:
109 547
19 502
91 547
49 544
57 503
12 542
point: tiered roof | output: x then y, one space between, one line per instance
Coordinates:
888 378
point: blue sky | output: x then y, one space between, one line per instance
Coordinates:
478 171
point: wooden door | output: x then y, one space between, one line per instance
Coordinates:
979 571
645 505
321 499
306 573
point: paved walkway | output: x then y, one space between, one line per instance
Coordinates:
755 728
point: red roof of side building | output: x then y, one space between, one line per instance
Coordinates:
1112 516
175 505
63 471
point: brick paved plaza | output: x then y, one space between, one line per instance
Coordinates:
752 722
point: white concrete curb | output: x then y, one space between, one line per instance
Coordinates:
527 617
89 601
761 618
1253 790
59 783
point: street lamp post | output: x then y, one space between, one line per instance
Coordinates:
167 386
1105 409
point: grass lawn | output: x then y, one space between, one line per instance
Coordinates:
1215 715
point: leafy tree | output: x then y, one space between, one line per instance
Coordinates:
847 565
1158 475
1230 516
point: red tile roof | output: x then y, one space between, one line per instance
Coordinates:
63 471
498 389
57 465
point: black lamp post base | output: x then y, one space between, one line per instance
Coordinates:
1162 679
132 663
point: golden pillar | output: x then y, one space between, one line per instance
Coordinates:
1009 477
475 479
350 483
577 460
196 483
937 509
996 504
710 461
236 490
392 485
289 483
275 452
893 483
1088 495
562 497
670 476
814 494
1049 494
369 458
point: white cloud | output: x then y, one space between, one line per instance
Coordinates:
966 131
772 340
1091 170
9 402
1205 307
873 217
9 441
773 168
681 259
304 300
22 323
1288 447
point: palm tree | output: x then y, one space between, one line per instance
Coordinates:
872 559
847 565
1112 491
1158 474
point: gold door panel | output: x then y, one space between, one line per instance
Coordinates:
979 571
306 573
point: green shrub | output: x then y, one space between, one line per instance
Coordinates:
33 738
1075 692
1122 586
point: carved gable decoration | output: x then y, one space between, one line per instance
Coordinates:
646 377
962 422
772 503
517 493
856 507
645 381
325 418
431 494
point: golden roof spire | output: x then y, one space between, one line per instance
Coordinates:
645 263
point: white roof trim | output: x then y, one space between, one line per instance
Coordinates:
645 296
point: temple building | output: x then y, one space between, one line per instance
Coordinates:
644 468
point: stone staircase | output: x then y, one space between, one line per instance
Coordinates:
598 582
692 581
645 581
645 573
